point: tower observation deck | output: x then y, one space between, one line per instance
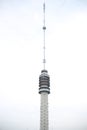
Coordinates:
44 88
44 82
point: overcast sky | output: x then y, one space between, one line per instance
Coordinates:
21 54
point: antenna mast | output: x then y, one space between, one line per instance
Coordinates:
44 28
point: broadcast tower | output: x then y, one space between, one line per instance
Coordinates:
44 87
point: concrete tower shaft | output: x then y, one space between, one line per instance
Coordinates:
44 112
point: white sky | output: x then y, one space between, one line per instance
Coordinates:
21 44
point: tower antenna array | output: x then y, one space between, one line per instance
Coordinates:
44 28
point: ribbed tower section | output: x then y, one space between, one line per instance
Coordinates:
44 90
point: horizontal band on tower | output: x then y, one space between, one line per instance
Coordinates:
41 90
